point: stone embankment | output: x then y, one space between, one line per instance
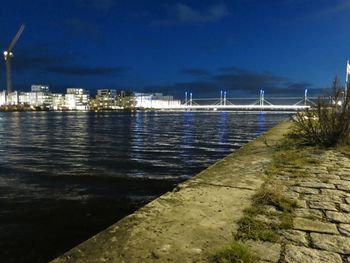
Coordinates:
202 215
191 222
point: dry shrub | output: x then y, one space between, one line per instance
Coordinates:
328 124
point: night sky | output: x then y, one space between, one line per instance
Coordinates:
241 46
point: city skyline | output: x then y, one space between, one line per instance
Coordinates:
177 46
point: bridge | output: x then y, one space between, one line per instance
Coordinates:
243 104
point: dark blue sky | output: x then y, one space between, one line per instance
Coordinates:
241 46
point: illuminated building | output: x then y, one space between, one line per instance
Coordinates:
106 99
13 98
77 99
155 100
24 98
40 88
40 96
3 97
58 101
9 99
126 100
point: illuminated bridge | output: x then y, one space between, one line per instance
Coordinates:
242 104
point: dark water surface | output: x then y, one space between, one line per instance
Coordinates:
67 176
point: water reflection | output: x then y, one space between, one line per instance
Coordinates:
223 127
187 137
118 145
261 127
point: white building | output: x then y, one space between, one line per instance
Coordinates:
24 98
40 88
9 99
77 99
3 97
40 96
13 98
107 93
107 99
58 101
155 101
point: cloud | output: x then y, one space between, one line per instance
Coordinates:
237 82
45 60
184 14
240 79
204 88
196 72
285 89
87 71
40 57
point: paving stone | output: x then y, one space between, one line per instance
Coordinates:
308 213
323 198
296 237
305 190
318 172
291 195
266 251
344 229
342 173
345 177
332 192
333 243
329 176
345 208
310 179
338 217
345 185
323 205
295 254
314 226
302 203
347 200
336 181
317 185
319 169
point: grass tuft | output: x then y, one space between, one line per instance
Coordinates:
273 196
250 227
236 252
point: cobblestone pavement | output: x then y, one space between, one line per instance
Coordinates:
321 224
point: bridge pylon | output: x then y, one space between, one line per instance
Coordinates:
261 101
305 100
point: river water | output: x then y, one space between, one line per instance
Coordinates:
65 176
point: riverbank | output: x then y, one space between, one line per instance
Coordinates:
191 222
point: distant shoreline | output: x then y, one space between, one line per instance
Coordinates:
2 109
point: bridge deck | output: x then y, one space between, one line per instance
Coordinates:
236 107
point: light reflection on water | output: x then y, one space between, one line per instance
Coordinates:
143 144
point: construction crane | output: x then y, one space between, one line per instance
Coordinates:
8 55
